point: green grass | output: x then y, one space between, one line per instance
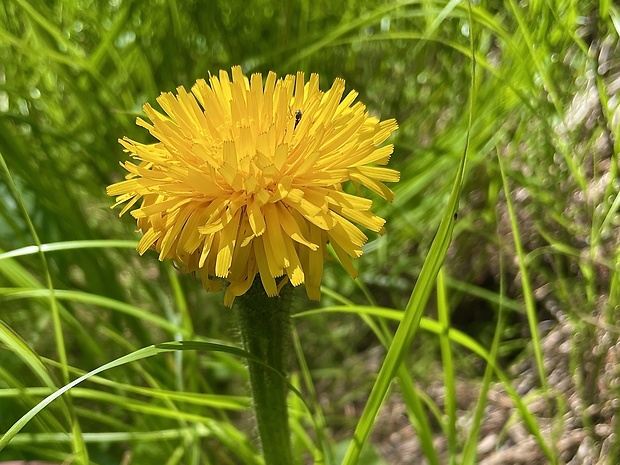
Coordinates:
525 92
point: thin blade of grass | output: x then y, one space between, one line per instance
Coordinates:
528 295
69 245
443 313
415 401
322 438
470 449
132 357
526 286
220 430
408 327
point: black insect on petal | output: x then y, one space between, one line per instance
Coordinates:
298 115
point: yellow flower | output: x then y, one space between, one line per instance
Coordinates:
248 178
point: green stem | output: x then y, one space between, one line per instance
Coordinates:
264 323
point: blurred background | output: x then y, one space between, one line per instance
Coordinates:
73 78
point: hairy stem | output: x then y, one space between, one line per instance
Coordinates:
264 323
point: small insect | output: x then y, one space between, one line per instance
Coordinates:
298 115
456 216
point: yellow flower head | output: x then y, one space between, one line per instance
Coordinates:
247 178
